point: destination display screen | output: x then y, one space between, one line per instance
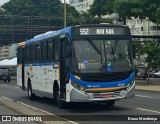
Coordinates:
101 31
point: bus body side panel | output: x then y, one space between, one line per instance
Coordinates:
19 75
42 77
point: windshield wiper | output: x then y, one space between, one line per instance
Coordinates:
94 46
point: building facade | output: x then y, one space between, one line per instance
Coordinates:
81 5
143 27
4 52
13 50
8 52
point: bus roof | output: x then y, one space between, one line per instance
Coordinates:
50 34
46 35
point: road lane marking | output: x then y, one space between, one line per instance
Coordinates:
148 110
144 96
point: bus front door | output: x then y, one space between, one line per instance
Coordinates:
63 66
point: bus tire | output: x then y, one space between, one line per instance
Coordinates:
31 96
110 102
60 103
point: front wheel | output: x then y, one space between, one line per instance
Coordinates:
60 103
31 96
110 102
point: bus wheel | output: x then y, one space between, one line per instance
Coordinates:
60 103
31 96
110 102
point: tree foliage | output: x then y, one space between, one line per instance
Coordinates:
152 50
88 18
123 9
101 7
157 18
47 8
138 8
128 8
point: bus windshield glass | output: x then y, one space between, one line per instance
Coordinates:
101 56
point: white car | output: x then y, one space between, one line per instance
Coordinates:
156 74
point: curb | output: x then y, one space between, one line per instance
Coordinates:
147 90
24 109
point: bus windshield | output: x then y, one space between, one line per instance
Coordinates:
96 56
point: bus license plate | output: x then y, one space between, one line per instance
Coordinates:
108 95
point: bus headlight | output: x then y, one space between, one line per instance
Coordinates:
130 85
78 87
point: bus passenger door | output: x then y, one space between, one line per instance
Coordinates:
64 71
20 68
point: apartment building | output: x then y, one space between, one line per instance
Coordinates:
4 52
13 50
143 27
8 52
81 5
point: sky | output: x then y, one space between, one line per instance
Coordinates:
3 1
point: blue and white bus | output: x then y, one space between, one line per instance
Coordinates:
85 63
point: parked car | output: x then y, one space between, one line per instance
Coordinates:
156 74
5 74
151 73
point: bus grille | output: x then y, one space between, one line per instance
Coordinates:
115 94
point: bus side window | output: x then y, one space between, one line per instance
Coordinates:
38 52
44 51
56 49
33 53
50 49
27 54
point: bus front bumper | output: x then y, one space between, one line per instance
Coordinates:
77 96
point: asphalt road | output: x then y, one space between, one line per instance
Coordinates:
144 103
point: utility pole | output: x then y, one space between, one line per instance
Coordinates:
64 13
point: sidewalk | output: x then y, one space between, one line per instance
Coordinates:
6 113
15 112
152 85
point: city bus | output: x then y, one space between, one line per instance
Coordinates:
84 63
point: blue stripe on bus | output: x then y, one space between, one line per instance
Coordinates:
103 84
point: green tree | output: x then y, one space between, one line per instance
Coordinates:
101 7
47 8
33 7
123 8
88 18
152 50
158 15
73 16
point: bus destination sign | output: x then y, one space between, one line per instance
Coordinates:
101 31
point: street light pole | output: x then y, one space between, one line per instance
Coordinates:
64 13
